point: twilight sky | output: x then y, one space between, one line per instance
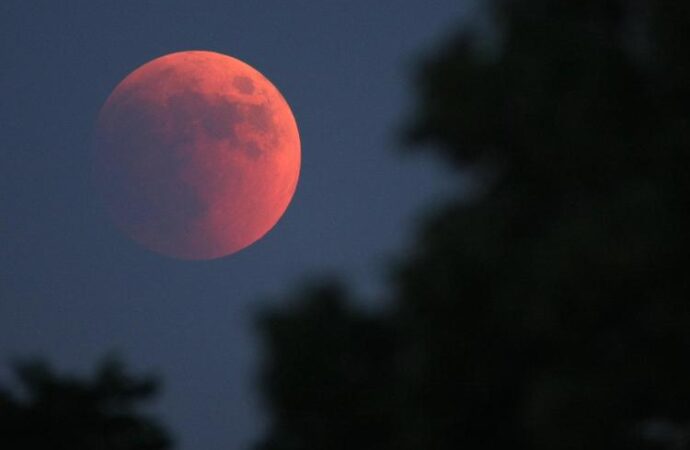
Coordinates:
73 288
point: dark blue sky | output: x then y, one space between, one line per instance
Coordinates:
73 288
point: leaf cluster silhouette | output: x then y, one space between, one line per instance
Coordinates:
549 309
54 411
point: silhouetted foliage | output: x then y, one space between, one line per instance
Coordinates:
65 413
323 354
550 311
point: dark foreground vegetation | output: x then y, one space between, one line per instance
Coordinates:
550 309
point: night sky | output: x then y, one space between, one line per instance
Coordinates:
72 288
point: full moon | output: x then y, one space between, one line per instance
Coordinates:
197 155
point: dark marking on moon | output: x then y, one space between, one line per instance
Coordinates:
253 150
243 84
219 119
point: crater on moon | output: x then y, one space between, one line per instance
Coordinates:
244 84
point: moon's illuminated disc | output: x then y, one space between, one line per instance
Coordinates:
197 155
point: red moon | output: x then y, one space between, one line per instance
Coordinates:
197 155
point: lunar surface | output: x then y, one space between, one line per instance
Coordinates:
197 155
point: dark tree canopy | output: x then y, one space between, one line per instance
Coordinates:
65 413
551 310
324 354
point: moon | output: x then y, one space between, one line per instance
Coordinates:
197 155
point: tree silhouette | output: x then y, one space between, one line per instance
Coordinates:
57 412
323 354
550 309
